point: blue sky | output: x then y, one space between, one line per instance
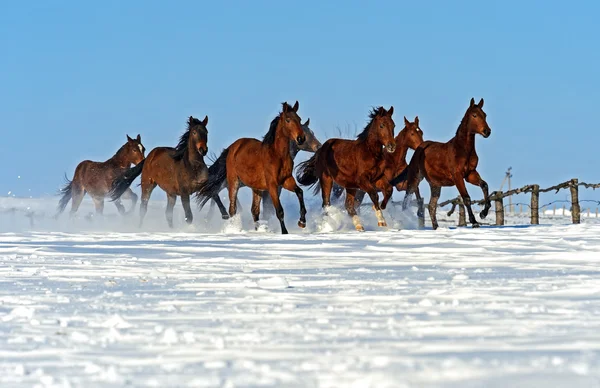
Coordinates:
75 77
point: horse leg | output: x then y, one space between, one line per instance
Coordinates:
420 208
171 199
185 202
216 200
255 209
374 195
77 196
99 205
436 191
388 191
462 190
291 185
267 204
147 187
358 200
326 186
278 208
474 179
129 194
233 185
350 194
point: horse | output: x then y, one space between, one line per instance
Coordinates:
95 178
450 164
353 164
411 136
311 144
178 171
261 165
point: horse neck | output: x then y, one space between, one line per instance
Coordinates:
373 144
294 149
192 157
281 144
464 141
119 159
401 150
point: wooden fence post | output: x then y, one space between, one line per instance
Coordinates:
535 205
499 207
575 209
462 217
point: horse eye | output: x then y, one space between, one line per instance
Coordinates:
287 120
381 126
474 114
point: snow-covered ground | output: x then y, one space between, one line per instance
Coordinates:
90 302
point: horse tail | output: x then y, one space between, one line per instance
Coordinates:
122 182
67 192
400 178
307 171
217 174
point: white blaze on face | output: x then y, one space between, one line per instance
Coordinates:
141 148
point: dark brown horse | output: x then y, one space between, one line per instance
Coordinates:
178 171
353 164
450 164
411 136
95 178
261 165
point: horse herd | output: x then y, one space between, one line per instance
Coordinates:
373 162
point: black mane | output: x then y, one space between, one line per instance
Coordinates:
184 139
374 113
269 138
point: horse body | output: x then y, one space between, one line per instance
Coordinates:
353 164
262 166
450 164
95 178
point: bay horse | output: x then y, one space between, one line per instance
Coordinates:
311 144
353 164
178 171
410 137
450 164
95 178
261 165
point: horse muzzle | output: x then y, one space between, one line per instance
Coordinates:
203 151
486 132
300 139
390 147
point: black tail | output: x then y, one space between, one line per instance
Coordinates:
66 193
122 183
400 178
217 173
307 175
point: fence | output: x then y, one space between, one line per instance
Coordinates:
497 197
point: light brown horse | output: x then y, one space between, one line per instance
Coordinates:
450 164
353 164
95 178
261 165
410 137
178 171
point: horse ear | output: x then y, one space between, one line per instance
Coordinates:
307 122
417 120
129 139
480 105
381 111
391 110
139 138
472 102
285 107
190 119
406 121
205 121
296 106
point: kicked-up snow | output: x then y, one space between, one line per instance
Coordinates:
516 306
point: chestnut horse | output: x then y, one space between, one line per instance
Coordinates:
411 136
450 164
353 164
178 171
261 165
95 178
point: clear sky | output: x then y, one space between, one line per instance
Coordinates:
76 76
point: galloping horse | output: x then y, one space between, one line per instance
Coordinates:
411 136
449 164
262 166
353 164
178 171
95 178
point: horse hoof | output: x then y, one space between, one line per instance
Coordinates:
360 228
225 216
302 224
483 214
476 225
284 232
382 224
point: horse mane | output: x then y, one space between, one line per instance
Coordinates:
184 139
269 138
463 122
365 133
